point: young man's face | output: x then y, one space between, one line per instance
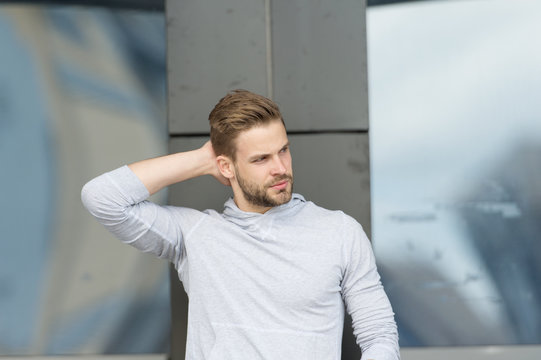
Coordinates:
263 173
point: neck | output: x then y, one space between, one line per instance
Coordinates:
245 206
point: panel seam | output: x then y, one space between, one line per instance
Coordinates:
268 38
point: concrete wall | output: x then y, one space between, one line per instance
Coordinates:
74 104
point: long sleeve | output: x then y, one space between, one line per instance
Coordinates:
117 199
373 319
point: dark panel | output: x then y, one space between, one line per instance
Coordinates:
333 170
179 316
212 47
319 63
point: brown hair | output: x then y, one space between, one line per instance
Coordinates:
238 111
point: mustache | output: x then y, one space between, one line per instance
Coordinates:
280 178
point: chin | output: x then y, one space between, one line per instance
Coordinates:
283 197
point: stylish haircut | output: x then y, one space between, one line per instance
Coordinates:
238 111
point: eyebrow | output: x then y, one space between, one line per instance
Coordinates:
257 156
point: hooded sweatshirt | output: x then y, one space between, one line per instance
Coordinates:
266 286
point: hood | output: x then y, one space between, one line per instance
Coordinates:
258 224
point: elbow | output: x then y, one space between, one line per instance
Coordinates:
86 195
98 204
89 196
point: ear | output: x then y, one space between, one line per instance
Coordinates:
225 166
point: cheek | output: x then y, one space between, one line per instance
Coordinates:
257 175
288 162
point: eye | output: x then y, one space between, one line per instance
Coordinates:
284 150
259 159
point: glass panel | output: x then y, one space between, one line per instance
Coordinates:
81 92
456 175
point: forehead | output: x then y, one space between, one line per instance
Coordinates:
261 139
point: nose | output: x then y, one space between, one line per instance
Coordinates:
278 166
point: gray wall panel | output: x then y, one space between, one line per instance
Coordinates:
333 170
318 79
212 47
319 63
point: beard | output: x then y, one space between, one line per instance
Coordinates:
258 194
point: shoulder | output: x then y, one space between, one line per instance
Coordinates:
330 216
345 225
195 214
187 218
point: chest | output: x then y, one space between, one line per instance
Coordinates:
284 268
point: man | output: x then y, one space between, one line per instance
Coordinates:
268 277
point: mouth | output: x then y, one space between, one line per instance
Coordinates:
280 185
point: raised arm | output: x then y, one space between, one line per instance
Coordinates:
118 200
163 171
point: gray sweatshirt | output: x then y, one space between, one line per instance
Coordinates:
261 286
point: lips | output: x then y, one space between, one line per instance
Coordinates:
280 185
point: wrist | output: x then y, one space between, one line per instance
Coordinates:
207 160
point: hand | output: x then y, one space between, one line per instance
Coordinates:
214 170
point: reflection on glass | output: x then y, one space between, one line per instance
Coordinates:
456 168
81 92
